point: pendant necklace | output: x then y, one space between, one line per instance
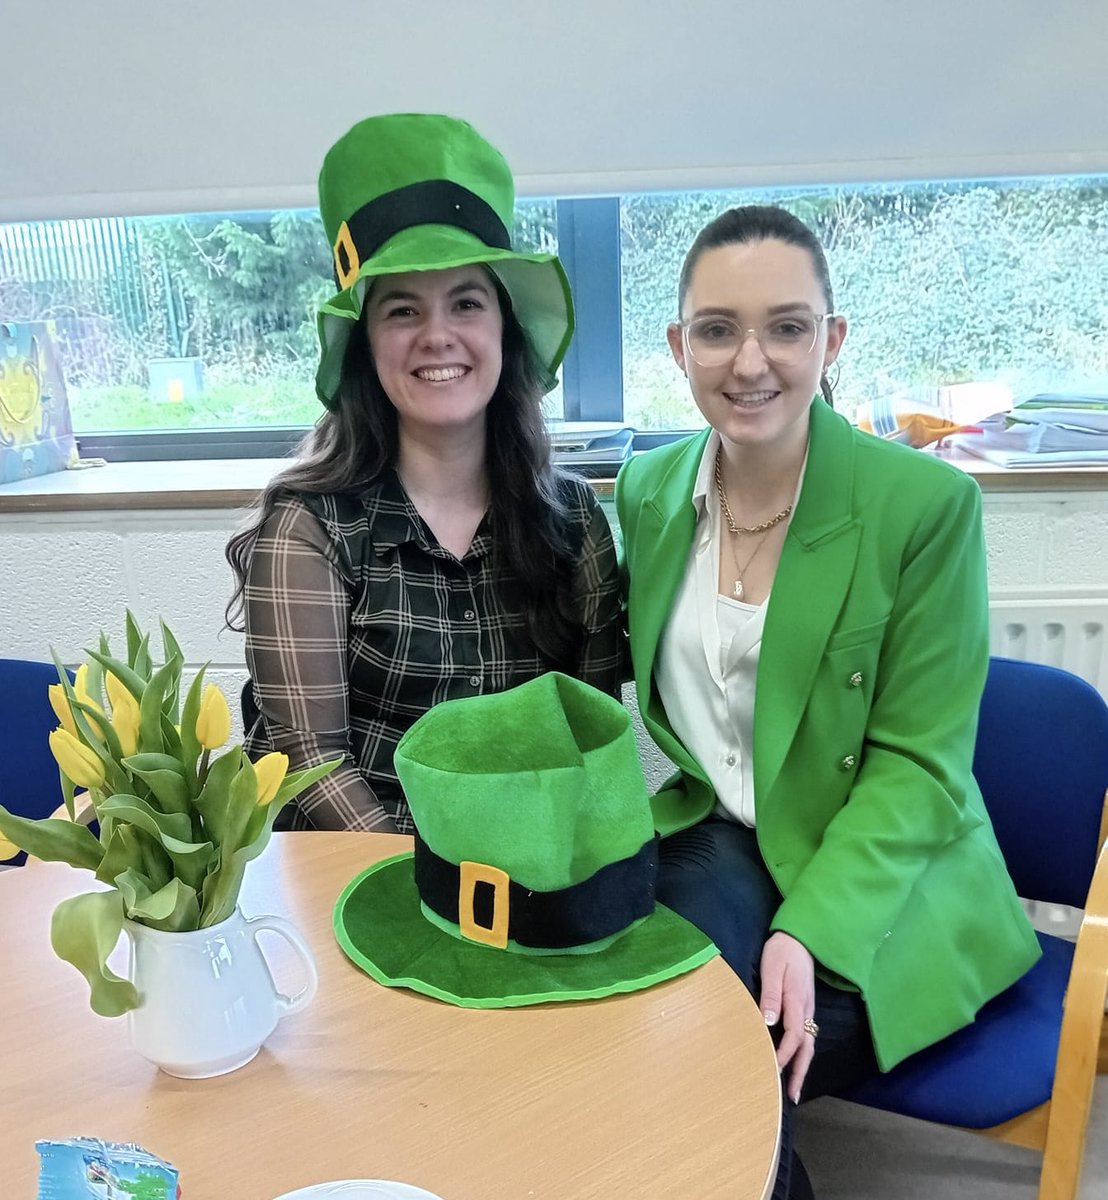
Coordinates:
737 588
764 529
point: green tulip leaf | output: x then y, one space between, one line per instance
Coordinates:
296 781
138 812
132 681
104 741
134 638
84 931
190 745
69 789
212 801
142 763
130 849
121 851
221 890
166 782
170 646
138 649
53 840
150 708
173 833
174 908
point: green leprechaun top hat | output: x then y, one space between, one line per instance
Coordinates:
421 192
534 870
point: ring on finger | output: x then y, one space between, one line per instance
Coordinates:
811 1027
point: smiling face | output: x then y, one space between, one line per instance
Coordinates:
748 399
436 340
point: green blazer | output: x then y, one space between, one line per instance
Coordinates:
870 674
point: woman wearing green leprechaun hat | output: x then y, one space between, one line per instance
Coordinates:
808 624
423 548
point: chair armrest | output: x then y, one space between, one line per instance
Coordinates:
84 813
1079 1044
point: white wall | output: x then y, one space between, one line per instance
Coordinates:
126 106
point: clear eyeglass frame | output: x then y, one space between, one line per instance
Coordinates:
780 345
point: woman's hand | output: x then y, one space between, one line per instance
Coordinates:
789 995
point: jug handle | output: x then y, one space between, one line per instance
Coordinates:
289 1004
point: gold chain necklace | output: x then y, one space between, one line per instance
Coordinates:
729 517
737 587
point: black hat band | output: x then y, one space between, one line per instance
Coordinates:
430 202
490 907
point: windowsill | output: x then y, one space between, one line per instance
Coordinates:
236 482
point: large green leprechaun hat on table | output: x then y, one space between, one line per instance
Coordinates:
533 876
420 192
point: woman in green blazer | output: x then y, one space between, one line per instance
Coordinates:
808 622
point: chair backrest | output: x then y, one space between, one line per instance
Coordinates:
1041 761
29 783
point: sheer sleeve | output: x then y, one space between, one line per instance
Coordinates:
297 626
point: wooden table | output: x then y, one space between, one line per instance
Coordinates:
668 1092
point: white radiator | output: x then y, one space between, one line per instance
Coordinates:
1062 627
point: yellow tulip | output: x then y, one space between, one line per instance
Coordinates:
126 715
270 771
77 761
80 686
59 702
213 721
7 849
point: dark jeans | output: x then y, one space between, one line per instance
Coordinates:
714 876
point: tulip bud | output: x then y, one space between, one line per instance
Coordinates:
270 771
126 714
213 721
80 686
77 761
7 849
59 702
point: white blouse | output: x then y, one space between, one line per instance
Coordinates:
712 711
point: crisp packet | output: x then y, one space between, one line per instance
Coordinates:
91 1169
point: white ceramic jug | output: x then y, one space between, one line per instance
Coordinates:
208 1000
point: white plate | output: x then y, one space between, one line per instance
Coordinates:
360 1189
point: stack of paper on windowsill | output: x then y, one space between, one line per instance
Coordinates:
1057 429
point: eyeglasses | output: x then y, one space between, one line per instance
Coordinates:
784 341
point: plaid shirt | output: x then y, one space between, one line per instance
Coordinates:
358 622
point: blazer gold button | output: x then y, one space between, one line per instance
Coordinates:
856 679
848 762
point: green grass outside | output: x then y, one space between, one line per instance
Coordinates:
220 406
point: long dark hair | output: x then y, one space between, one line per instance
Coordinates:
349 449
759 223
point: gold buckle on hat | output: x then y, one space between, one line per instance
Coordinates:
345 243
470 875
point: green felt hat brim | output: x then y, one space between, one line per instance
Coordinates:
380 926
537 284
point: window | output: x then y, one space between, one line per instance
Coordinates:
202 328
942 283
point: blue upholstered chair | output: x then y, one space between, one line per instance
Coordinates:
29 783
1024 1070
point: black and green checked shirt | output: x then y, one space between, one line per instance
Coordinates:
358 622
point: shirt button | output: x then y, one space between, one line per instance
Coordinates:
856 679
475 681
848 762
730 760
469 614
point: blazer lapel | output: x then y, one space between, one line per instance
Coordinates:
812 581
666 524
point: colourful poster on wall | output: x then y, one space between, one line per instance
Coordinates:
36 432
